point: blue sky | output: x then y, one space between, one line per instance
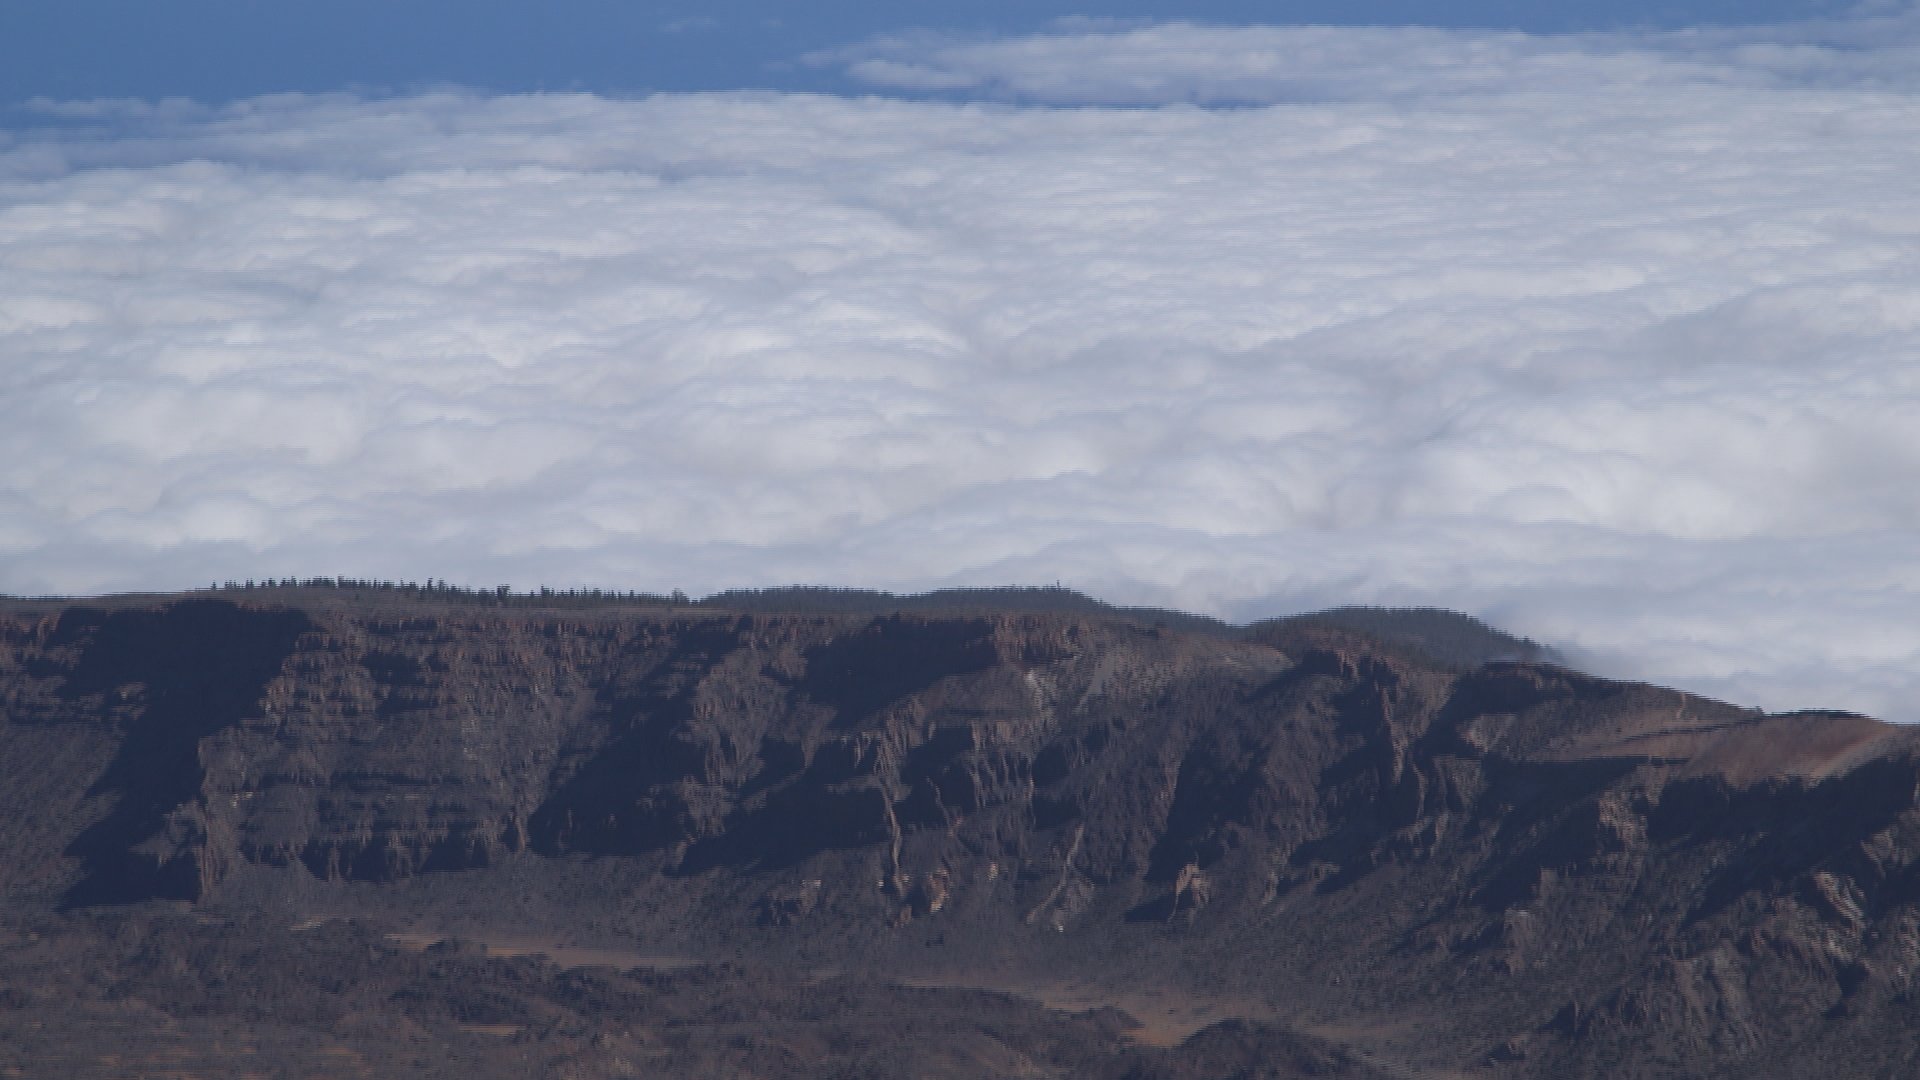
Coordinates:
219 50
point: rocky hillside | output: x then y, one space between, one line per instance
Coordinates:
1343 844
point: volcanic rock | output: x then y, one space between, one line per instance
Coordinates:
786 834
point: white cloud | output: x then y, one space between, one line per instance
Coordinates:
1615 341
1097 63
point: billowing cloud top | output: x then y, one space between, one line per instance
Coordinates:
1613 341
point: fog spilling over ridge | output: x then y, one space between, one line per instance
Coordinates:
1609 340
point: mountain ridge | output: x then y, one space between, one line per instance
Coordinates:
1311 829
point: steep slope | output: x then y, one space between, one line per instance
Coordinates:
1334 829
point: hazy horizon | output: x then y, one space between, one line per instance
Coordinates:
221 51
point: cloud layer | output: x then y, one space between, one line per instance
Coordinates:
1104 62
1614 342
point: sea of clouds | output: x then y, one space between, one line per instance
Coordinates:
1612 340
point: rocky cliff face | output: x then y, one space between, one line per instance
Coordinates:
1512 867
